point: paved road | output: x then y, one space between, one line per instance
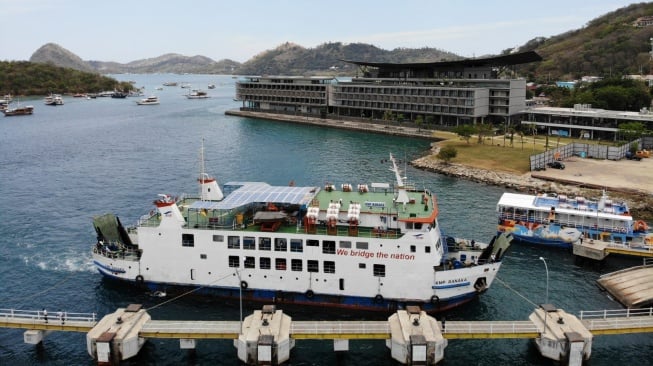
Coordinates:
623 175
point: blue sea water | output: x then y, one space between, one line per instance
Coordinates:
63 165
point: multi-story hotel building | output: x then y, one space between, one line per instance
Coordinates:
445 93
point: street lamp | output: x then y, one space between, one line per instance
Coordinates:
240 298
546 299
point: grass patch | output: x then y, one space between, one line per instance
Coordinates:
493 155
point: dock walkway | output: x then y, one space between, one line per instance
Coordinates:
119 335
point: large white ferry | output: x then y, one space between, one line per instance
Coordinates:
560 221
369 247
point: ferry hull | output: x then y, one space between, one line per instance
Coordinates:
534 240
354 303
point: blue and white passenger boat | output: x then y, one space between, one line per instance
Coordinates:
363 247
560 221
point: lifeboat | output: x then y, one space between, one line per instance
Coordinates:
640 225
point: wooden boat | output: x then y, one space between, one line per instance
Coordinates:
18 111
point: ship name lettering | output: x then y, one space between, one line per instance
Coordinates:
458 280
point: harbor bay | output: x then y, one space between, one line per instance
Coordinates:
62 166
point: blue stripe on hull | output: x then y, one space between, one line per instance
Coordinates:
533 240
108 268
295 298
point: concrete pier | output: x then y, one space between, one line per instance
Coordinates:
564 337
416 338
599 250
265 338
116 337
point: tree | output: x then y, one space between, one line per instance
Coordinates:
419 120
531 128
511 131
387 115
483 129
631 130
465 132
447 153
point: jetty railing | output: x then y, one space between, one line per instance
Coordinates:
52 316
618 313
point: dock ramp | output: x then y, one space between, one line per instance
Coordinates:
632 287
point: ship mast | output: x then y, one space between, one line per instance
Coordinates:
209 189
202 171
402 196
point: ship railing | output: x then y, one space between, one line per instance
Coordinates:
589 224
363 232
17 314
116 250
617 313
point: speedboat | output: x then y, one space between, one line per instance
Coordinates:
151 100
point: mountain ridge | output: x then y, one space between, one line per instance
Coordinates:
606 46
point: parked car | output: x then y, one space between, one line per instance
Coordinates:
556 165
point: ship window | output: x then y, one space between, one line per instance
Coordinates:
427 249
264 263
280 245
312 243
418 225
233 242
413 249
250 262
361 245
329 247
219 238
312 266
234 261
379 270
345 244
264 244
296 245
361 265
187 240
296 265
329 267
342 284
280 264
202 256
249 243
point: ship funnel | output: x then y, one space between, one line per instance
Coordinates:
168 209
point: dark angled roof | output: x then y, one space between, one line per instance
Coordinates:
506 60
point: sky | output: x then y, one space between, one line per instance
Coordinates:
124 31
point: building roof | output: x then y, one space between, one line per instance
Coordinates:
505 60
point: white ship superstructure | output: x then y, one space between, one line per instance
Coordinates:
370 246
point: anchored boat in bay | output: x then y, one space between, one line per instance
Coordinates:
375 246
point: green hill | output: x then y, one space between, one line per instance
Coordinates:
610 45
31 78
